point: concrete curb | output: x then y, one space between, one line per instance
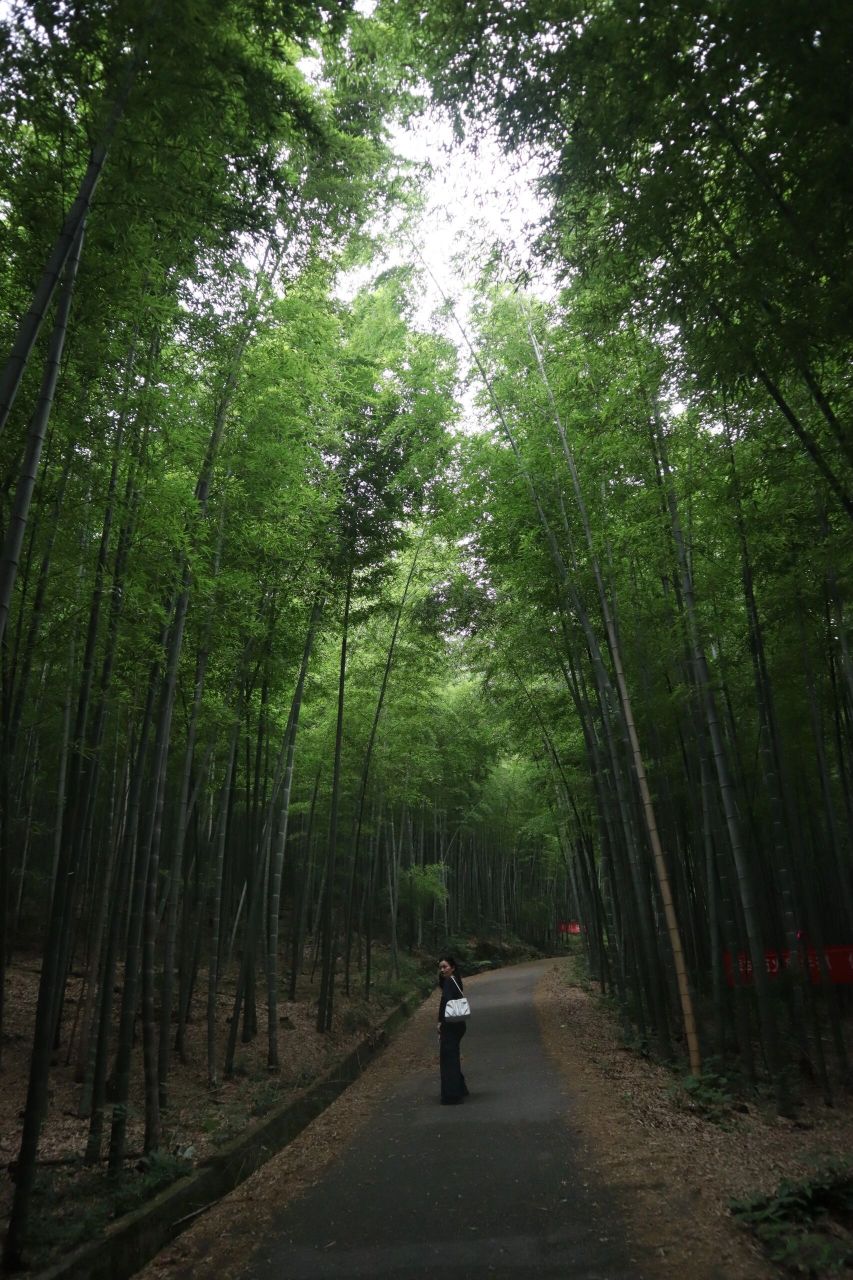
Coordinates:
133 1240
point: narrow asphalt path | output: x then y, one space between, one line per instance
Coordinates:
494 1187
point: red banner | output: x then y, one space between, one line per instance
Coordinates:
568 926
838 962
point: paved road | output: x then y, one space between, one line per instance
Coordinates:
494 1187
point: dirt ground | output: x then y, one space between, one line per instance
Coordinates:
677 1170
674 1170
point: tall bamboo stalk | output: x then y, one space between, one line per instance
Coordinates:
327 978
281 842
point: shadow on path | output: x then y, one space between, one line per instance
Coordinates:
494 1187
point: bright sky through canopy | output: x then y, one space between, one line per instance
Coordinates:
476 200
479 204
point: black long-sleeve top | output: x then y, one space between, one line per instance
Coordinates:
449 991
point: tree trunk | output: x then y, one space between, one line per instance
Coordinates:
29 469
327 983
216 909
52 974
755 941
368 755
278 856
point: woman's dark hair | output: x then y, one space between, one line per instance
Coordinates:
454 970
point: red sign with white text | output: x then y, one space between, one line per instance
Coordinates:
838 962
568 926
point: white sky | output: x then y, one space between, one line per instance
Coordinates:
475 199
477 196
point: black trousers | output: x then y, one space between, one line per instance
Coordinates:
453 1086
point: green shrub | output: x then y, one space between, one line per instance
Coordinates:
67 1210
72 1205
151 1175
709 1094
267 1097
356 1018
806 1226
394 990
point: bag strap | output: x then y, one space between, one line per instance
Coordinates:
457 986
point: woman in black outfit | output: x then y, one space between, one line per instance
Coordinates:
453 1086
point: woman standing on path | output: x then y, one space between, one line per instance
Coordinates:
453 1086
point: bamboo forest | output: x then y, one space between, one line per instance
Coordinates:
352 608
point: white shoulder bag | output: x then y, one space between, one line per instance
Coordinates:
457 1009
